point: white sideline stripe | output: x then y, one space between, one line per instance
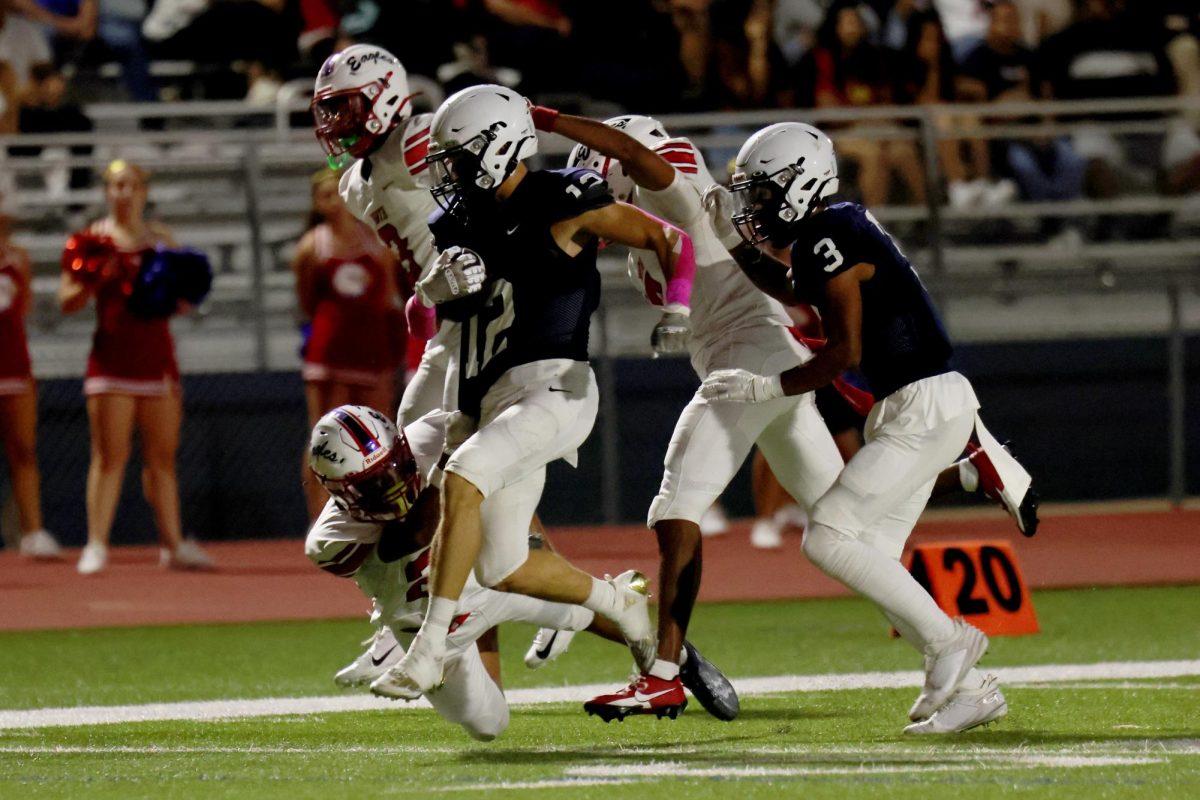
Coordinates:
681 770
614 774
746 687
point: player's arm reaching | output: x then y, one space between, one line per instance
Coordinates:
632 227
650 171
843 350
645 167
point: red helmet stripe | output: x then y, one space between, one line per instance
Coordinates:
363 439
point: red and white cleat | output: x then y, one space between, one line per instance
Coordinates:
646 695
1003 479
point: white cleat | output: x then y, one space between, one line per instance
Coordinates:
946 664
547 645
384 652
93 559
967 709
40 546
418 673
633 617
189 555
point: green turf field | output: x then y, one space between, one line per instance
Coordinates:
1088 738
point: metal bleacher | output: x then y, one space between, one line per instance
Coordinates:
232 180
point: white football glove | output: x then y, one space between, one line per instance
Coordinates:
457 273
671 333
720 207
741 386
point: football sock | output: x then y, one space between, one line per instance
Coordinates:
968 476
602 598
437 620
665 670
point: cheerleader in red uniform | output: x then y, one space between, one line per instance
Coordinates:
348 288
18 398
132 378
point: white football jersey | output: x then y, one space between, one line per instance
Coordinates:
389 190
341 545
723 298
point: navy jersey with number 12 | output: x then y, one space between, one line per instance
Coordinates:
537 301
903 339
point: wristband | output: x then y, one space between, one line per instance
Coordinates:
544 119
772 386
421 319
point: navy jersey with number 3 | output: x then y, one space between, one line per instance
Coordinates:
903 339
537 301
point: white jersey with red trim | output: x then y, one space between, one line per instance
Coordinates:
389 190
343 546
723 298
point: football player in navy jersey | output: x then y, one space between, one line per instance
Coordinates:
877 316
527 395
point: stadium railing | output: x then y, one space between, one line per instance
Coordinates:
232 179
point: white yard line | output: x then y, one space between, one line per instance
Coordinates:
747 687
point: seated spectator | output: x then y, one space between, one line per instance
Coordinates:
999 70
529 35
46 109
795 23
262 34
1111 53
966 23
22 45
1041 19
632 52
119 31
845 70
749 69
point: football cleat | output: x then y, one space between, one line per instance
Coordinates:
968 708
646 695
633 617
1003 479
419 672
547 645
946 664
708 685
383 651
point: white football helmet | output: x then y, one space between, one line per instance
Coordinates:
365 464
646 130
477 138
360 96
779 174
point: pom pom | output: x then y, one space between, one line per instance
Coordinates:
90 259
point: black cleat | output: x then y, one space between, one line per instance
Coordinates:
708 685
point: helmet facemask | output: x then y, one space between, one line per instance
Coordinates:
462 181
765 213
347 126
385 491
365 463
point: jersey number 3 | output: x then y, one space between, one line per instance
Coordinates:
828 250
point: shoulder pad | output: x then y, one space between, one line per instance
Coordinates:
682 155
416 143
581 191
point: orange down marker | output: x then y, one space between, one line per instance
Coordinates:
979 581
